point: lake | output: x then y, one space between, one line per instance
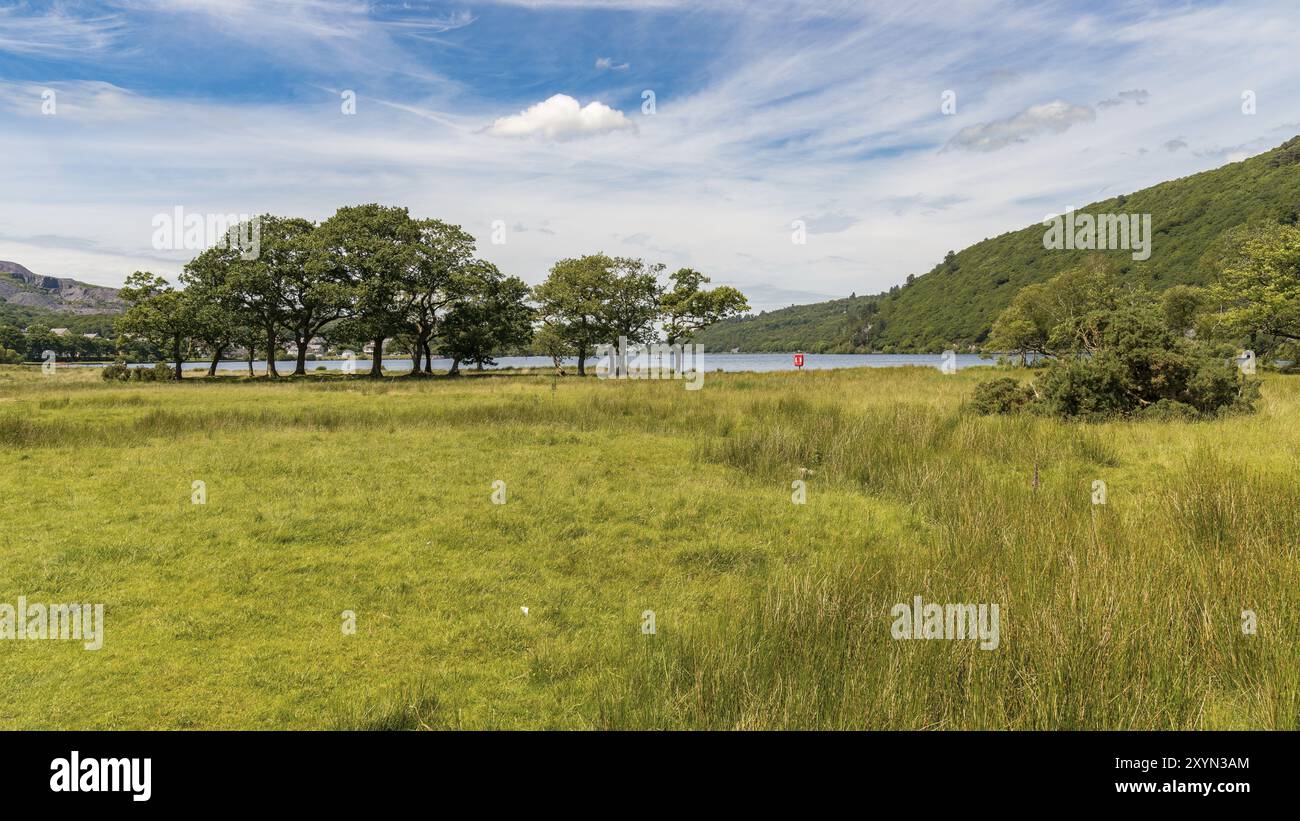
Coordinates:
728 362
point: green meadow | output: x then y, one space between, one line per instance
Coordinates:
330 494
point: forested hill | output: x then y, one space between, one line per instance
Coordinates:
954 304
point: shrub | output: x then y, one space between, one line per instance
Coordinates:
10 357
1168 410
117 371
1129 360
1087 388
160 372
1001 395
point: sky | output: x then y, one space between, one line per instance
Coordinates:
699 134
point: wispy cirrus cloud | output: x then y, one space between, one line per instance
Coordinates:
57 33
767 111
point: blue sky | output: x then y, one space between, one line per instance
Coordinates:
766 112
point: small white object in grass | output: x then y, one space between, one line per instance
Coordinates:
525 609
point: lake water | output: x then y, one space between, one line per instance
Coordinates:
729 362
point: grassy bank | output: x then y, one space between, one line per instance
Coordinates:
327 495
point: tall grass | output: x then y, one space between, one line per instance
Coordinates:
330 494
1122 615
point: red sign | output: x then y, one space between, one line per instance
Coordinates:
798 360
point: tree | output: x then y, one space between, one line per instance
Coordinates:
257 287
312 294
12 338
687 308
633 305
1025 325
158 313
573 301
373 249
1257 288
215 304
246 336
1180 305
550 341
443 261
1049 318
490 314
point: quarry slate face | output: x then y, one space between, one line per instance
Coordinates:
19 286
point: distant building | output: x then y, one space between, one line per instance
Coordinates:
315 347
60 331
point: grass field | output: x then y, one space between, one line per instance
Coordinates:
329 494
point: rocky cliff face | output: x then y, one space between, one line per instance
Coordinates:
19 286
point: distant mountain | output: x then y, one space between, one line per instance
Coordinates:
23 289
955 303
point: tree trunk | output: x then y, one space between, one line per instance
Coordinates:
300 367
582 361
176 355
217 350
270 354
428 357
455 366
252 354
377 360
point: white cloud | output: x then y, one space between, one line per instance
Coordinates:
436 25
56 33
560 118
780 121
829 223
608 64
1048 118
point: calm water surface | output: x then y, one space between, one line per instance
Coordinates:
729 362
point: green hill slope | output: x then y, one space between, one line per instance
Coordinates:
955 303
797 328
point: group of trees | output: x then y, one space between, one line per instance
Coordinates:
598 299
1114 352
18 345
372 274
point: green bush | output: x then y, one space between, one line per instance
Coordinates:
1167 410
118 371
10 357
1001 395
160 372
1126 361
1084 388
